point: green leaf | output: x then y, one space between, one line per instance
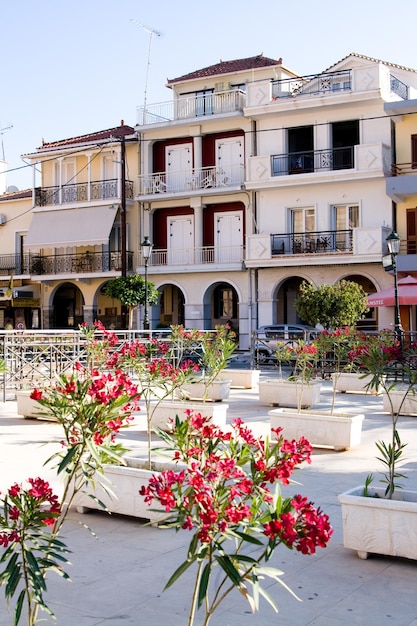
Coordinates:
202 589
229 569
18 607
178 572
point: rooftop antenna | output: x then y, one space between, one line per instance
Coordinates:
151 32
2 143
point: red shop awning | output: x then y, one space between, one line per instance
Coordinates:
407 294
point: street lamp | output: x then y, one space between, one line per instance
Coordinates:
393 241
146 253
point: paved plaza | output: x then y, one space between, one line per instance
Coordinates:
118 574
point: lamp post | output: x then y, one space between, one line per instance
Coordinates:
146 252
393 241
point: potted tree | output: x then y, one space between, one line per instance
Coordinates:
132 290
383 520
214 350
323 428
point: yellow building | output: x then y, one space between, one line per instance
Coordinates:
83 228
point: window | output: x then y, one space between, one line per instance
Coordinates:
303 220
345 137
346 217
204 102
225 303
300 150
414 151
302 227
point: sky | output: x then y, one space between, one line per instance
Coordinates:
77 67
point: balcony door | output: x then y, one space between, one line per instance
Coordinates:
228 236
229 160
179 166
411 231
181 240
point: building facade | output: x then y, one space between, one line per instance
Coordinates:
249 180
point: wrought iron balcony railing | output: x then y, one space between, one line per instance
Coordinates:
81 192
403 168
328 83
208 104
37 264
319 242
331 82
204 178
312 161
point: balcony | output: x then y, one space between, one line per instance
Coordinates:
312 161
318 166
320 242
312 85
205 179
185 108
88 262
81 192
403 181
205 258
351 246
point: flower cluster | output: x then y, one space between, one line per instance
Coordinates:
92 407
31 549
303 358
228 487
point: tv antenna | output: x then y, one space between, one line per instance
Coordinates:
151 32
2 143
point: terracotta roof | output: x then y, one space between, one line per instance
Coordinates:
118 131
16 195
228 67
366 58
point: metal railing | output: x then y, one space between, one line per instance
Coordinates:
313 161
318 242
81 192
332 82
37 264
398 87
186 107
403 168
37 357
204 178
205 255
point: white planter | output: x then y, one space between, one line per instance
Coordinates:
353 382
378 525
166 411
408 407
215 392
248 379
125 483
280 392
30 409
338 431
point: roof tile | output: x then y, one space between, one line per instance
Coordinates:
228 67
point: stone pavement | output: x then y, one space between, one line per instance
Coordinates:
118 574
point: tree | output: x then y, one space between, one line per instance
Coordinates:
332 306
130 290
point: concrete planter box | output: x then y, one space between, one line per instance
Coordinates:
353 382
248 379
408 407
125 483
165 411
378 525
217 391
338 431
30 409
280 392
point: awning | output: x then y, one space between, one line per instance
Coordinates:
86 226
407 294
